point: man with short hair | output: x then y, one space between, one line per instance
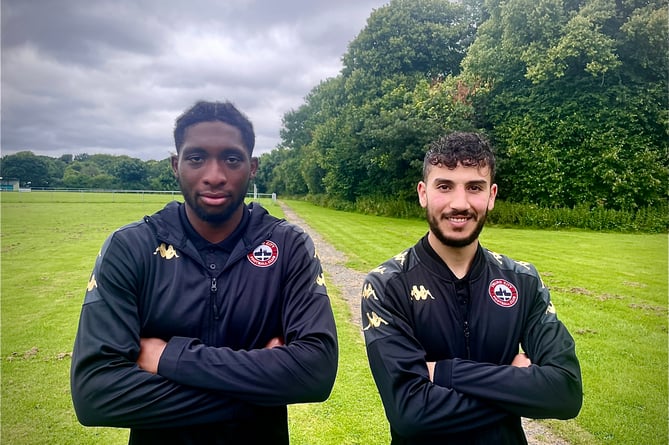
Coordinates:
444 320
204 320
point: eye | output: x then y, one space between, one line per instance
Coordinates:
443 187
195 158
233 160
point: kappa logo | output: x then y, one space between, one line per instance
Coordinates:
166 252
92 284
503 293
374 321
264 255
368 292
550 309
401 257
497 257
421 293
380 270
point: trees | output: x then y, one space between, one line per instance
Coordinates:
577 105
572 93
583 148
396 72
98 171
279 172
160 175
28 168
130 171
412 36
363 132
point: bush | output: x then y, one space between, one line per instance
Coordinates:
648 220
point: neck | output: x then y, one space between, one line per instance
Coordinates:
458 259
212 232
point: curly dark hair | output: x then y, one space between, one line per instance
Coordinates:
204 111
466 149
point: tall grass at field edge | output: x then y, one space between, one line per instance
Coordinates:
518 215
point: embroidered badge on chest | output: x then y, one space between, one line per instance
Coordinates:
503 293
264 255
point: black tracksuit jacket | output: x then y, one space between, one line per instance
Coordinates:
215 383
414 310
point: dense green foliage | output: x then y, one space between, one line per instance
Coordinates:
571 93
578 100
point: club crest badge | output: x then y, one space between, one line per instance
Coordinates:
503 293
264 255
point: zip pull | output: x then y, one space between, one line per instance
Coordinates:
213 288
466 332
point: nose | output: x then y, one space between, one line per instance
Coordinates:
459 201
215 173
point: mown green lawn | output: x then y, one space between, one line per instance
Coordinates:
610 290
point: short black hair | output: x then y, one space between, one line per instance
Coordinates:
204 111
464 148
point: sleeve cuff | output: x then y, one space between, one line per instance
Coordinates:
443 373
169 360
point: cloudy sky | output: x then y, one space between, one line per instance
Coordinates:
110 76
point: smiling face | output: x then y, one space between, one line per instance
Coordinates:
213 168
456 202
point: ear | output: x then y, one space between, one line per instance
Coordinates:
421 188
491 198
254 167
174 160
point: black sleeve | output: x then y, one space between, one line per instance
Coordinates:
550 388
108 388
303 370
414 405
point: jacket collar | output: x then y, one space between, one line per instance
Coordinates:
169 228
427 255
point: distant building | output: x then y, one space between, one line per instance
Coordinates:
9 185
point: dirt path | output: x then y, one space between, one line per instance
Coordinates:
349 282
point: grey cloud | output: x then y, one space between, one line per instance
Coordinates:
110 76
78 32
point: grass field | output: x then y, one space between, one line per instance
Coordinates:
610 290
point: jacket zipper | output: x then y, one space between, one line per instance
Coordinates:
466 332
463 294
213 290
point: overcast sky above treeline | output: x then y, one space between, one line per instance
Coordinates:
110 77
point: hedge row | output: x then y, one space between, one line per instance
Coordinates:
647 220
